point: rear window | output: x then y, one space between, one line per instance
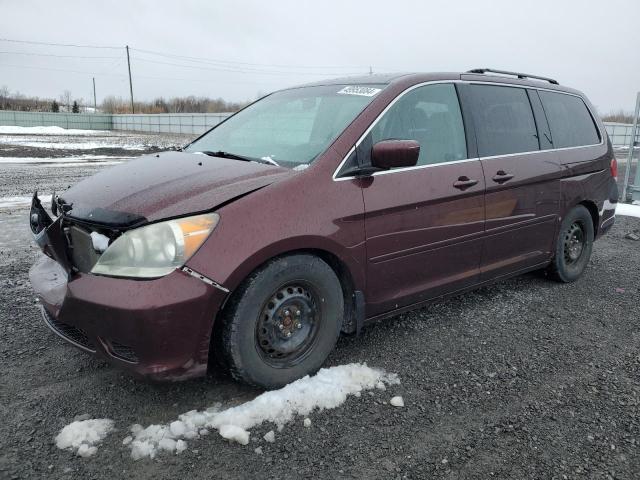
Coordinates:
569 119
504 120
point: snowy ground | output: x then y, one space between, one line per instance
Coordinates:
523 379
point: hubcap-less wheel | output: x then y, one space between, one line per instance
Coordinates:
288 325
574 242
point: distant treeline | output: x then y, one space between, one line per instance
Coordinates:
191 104
619 117
22 103
188 104
65 103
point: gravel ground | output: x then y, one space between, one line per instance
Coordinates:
523 379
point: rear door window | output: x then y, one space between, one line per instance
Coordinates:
504 120
569 119
431 116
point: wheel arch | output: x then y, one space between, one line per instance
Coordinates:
595 214
339 267
350 277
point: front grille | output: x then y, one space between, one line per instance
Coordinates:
123 352
70 333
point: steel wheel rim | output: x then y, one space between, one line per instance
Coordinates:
288 324
574 243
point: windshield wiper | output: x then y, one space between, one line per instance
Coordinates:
235 156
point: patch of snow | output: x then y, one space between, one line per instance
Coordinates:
258 450
397 401
328 389
302 166
79 164
84 159
10 129
270 436
628 210
83 436
100 242
76 145
181 446
307 422
235 434
22 201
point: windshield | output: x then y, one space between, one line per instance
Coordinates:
288 128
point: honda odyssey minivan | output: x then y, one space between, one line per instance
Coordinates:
319 208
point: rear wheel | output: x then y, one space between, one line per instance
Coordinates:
282 322
574 245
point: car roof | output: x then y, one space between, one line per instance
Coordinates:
411 78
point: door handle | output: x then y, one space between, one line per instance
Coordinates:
502 176
464 182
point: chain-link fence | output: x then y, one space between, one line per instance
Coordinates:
191 123
83 121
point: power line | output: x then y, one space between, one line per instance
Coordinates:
57 56
229 62
61 70
211 61
148 77
245 70
57 44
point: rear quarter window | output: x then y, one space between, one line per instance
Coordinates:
504 120
569 120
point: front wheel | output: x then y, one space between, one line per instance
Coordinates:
573 247
283 321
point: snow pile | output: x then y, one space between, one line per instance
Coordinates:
628 210
327 389
100 242
83 436
10 129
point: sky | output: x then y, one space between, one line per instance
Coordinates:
241 49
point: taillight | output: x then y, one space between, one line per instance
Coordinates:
614 168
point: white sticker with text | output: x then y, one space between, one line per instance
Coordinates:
359 90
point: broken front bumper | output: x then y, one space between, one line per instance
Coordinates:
158 328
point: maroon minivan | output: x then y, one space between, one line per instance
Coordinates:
318 208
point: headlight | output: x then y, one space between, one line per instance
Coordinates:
156 250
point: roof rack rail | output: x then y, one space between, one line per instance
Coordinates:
519 75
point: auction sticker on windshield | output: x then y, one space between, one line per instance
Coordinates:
358 90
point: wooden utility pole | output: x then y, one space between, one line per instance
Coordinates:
95 104
133 110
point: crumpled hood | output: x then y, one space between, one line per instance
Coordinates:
169 184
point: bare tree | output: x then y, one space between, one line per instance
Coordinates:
4 96
65 99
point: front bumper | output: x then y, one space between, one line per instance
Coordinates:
158 328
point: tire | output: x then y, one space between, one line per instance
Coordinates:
573 246
282 323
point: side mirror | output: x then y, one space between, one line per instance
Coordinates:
395 154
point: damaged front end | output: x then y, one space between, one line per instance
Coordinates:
73 246
157 327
